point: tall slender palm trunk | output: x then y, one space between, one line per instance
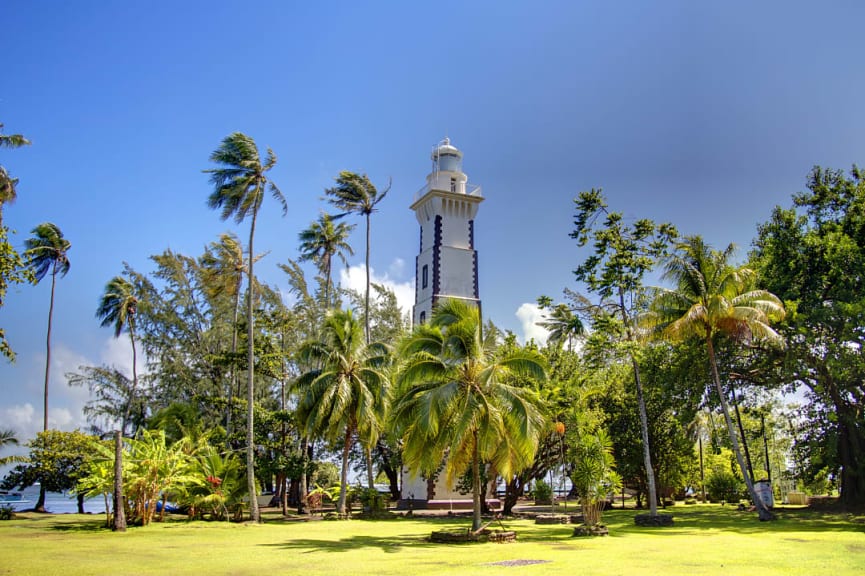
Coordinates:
40 502
762 511
254 513
476 485
343 477
644 419
366 297
127 413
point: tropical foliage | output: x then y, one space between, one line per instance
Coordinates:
461 401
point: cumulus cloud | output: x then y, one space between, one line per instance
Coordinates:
529 315
354 278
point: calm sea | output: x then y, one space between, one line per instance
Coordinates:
58 503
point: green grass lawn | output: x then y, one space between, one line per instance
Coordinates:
705 539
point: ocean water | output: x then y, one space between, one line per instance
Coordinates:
58 503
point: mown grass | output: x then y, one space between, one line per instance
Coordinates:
704 540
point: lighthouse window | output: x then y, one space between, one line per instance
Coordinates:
423 317
453 184
424 276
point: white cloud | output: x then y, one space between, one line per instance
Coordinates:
354 278
117 353
529 315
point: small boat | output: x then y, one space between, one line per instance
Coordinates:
7 497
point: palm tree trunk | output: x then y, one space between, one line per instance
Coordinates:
369 471
254 513
762 511
48 352
343 477
304 485
128 411
119 524
742 432
366 298
476 485
644 419
327 262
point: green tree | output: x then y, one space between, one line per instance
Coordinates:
321 242
239 184
8 193
711 298
349 393
13 269
118 307
564 325
623 254
812 255
56 461
458 400
355 194
47 252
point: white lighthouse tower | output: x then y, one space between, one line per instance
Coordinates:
447 262
446 267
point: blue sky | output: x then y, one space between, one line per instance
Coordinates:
705 114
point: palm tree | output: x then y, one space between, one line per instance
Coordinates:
8 438
46 252
321 242
712 298
239 185
355 194
460 400
118 307
349 394
7 183
563 325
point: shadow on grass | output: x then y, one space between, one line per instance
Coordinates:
387 544
689 520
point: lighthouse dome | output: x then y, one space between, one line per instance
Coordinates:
446 156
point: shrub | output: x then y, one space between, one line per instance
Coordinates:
542 492
723 486
7 512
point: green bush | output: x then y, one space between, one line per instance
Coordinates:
372 500
542 492
724 486
7 512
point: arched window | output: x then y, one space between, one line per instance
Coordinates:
423 317
424 275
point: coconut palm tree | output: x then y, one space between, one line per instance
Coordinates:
355 194
118 307
240 181
712 298
8 438
321 242
564 325
349 394
47 252
460 400
7 182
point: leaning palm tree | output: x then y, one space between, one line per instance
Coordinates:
713 298
240 181
117 309
7 182
321 242
47 252
355 194
349 394
462 402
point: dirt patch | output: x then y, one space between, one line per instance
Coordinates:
517 562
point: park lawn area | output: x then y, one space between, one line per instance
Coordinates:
706 539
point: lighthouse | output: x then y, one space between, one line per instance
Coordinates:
446 267
447 262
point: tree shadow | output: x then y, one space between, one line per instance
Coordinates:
387 544
788 520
